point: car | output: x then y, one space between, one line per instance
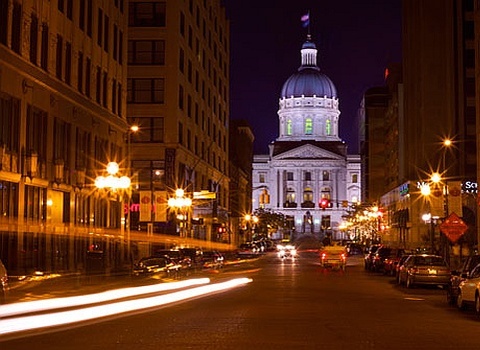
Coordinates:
424 269
370 253
4 286
287 251
400 263
354 249
459 276
469 291
162 267
334 257
386 258
179 258
212 259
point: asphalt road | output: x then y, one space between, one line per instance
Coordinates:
288 305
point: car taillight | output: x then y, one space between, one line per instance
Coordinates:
343 257
324 255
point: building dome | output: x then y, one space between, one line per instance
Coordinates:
308 80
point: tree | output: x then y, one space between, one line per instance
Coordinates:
269 221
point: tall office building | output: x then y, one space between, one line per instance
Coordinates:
178 96
436 102
63 78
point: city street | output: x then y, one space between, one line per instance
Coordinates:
288 304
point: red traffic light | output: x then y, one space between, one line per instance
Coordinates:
324 203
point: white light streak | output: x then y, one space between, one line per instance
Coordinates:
58 303
18 324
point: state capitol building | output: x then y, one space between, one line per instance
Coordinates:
308 175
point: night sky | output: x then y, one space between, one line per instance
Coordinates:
355 39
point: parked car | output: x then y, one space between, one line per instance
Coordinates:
399 265
4 287
424 269
354 249
212 259
179 258
370 253
162 267
469 291
458 276
386 258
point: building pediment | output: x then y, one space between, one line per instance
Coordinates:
308 151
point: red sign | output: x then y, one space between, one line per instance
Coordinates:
453 227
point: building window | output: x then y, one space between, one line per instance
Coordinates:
290 195
325 175
34 41
146 52
180 97
59 57
308 176
80 71
149 129
3 22
326 223
308 195
16 26
289 127
105 33
44 54
146 90
328 127
261 178
68 63
88 70
100 27
180 133
308 126
289 176
354 178
8 199
146 14
35 203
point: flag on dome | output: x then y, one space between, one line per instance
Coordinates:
305 20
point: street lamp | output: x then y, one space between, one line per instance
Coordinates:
182 205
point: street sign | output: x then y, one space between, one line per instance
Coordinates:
453 227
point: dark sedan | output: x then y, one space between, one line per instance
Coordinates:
162 267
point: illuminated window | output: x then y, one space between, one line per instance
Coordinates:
308 195
308 126
325 175
289 127
355 178
290 195
328 127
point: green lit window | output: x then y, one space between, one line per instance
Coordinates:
328 127
308 126
289 127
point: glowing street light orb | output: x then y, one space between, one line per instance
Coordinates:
179 192
447 142
425 190
436 177
134 128
112 168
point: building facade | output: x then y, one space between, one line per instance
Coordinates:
178 96
308 175
63 77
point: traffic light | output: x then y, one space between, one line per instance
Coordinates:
324 203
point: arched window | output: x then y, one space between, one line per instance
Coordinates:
289 127
308 126
325 193
290 195
328 127
308 194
